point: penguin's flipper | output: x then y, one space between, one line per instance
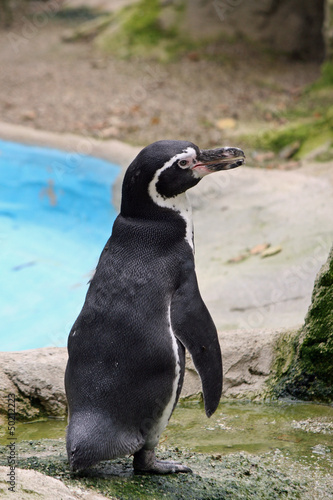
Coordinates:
194 328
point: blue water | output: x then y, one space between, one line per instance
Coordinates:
55 217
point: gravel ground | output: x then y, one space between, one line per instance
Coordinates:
69 87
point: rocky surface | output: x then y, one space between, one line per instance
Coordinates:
316 350
30 484
36 376
88 93
248 359
310 376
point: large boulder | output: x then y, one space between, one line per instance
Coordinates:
36 377
310 376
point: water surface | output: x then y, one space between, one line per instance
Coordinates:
56 214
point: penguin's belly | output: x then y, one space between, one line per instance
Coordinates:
164 409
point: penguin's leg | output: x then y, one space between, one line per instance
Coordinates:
145 461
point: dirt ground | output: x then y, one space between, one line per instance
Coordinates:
52 85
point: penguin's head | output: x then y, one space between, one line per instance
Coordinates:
165 169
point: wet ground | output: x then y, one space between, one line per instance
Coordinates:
302 431
245 451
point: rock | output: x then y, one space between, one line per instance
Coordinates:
36 377
316 350
310 376
248 359
289 151
30 484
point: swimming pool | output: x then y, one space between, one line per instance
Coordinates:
56 214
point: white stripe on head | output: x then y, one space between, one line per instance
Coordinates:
178 203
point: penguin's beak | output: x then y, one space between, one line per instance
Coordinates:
213 160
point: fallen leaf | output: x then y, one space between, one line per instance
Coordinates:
269 252
226 123
135 109
239 258
155 120
259 248
29 115
193 56
109 132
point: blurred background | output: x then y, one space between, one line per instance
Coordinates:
256 75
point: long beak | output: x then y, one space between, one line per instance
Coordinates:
213 160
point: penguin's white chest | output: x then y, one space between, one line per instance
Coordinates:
161 422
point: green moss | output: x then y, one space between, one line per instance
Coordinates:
310 374
326 155
215 477
326 78
285 352
140 30
316 351
141 26
309 121
310 132
149 29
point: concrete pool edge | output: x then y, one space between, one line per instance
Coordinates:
111 150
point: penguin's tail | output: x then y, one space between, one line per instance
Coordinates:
93 437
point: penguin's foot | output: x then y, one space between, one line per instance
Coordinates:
145 462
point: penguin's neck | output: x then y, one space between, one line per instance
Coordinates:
179 204
149 205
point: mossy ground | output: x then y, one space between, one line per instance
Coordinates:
239 476
309 122
138 30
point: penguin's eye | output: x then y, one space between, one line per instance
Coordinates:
183 163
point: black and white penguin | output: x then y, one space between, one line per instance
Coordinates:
142 310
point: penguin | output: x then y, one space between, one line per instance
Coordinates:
143 308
